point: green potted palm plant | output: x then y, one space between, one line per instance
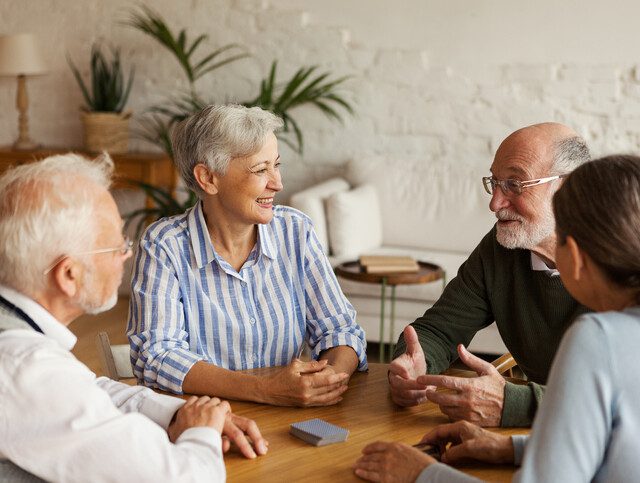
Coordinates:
106 124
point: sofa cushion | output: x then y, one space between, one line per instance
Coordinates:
311 202
437 205
353 219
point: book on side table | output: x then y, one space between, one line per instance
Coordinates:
388 264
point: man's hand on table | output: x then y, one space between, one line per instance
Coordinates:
391 462
469 441
477 399
405 370
304 384
236 429
214 413
197 412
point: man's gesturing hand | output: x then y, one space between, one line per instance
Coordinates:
469 441
478 399
304 384
405 369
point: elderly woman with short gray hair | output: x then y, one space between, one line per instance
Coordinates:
237 282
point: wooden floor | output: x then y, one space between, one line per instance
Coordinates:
114 322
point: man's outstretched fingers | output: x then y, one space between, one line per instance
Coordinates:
480 366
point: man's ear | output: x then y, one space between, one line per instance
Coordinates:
207 179
577 258
67 276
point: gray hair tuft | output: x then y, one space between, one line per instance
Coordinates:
217 134
570 153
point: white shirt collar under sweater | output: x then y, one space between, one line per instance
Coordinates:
539 265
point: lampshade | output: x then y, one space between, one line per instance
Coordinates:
20 55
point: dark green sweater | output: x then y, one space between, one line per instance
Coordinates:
531 308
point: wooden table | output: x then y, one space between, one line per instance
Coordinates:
427 272
152 168
369 415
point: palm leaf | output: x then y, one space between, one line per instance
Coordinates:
305 87
150 22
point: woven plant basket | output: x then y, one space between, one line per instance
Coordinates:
106 131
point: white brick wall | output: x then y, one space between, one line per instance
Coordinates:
430 79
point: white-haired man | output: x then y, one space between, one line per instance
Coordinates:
510 278
61 255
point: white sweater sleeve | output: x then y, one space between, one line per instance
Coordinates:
58 424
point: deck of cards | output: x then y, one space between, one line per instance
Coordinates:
318 432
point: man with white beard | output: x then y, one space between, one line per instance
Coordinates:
61 255
511 278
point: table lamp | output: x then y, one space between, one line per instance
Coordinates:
20 56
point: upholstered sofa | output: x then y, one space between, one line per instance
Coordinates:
433 211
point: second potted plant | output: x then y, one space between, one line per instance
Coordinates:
106 126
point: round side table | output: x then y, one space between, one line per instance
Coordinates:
427 272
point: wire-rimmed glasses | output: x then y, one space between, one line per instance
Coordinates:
514 186
126 247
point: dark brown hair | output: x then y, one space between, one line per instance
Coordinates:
599 206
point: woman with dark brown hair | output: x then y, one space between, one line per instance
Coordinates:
588 426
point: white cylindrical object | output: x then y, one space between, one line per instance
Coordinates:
20 55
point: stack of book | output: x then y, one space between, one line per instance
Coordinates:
388 264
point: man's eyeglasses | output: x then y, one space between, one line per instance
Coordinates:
123 249
514 186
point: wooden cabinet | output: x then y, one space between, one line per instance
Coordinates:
152 168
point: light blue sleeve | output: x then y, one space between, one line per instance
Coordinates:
331 319
160 353
569 436
441 473
519 442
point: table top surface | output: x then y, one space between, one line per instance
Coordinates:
366 411
427 272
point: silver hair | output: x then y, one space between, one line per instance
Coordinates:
569 154
217 134
47 210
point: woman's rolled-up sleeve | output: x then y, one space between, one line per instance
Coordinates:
159 341
331 319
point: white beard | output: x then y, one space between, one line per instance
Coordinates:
91 309
85 298
524 234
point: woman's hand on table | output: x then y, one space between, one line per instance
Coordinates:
304 384
470 442
391 463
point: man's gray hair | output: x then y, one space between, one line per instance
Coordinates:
47 210
569 154
217 134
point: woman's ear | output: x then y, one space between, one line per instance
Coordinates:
577 258
67 276
207 179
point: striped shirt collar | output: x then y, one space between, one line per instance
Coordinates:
203 249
